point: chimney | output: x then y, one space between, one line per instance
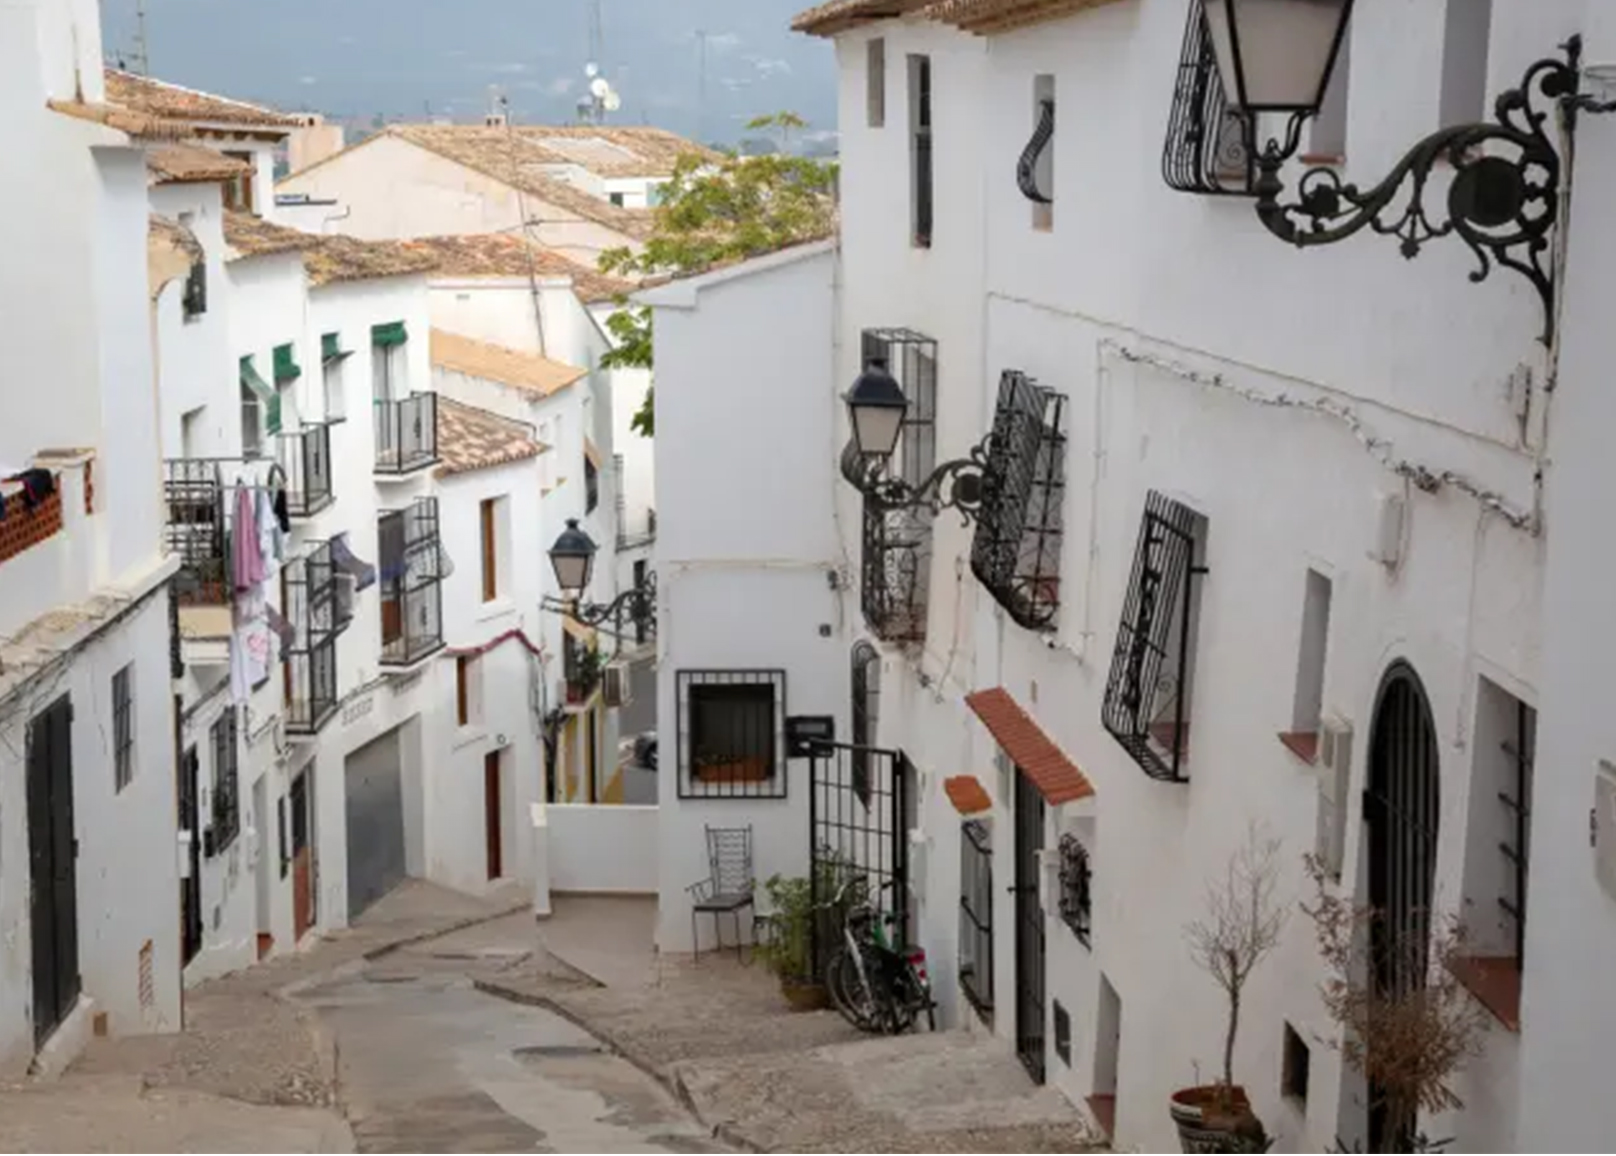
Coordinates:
312 142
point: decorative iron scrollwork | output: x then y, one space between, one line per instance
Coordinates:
1207 150
1027 166
1503 201
635 607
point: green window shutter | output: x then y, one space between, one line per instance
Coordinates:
266 394
331 347
388 335
286 368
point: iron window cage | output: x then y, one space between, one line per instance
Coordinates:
123 727
1016 550
1076 906
309 663
731 734
865 713
196 529
923 178
976 916
1517 851
897 543
226 809
194 301
1147 695
1208 148
411 579
305 455
1027 166
406 433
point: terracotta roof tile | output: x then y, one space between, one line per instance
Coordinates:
475 439
840 15
612 151
967 794
162 230
1058 778
138 125
192 162
252 236
507 255
988 16
172 102
525 371
335 257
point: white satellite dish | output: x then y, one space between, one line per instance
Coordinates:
598 87
611 102
591 69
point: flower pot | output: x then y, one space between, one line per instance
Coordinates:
1213 1118
804 994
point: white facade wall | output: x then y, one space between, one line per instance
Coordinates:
612 850
745 555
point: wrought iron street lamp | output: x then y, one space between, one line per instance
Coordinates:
573 557
876 405
1503 199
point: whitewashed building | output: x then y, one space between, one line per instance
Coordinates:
89 930
1263 536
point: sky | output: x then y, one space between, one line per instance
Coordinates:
402 59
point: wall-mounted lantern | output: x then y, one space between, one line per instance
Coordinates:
573 558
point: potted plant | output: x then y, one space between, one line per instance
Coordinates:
1408 1022
788 951
1240 927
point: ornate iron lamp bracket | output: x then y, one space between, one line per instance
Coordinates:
637 606
1503 200
954 485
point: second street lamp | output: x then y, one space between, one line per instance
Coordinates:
573 558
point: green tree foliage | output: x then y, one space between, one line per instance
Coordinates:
717 212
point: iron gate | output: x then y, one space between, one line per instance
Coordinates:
53 869
857 808
191 886
1029 928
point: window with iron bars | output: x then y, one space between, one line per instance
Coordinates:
1208 150
1076 908
976 916
731 734
411 583
866 712
896 562
1015 553
309 664
123 727
194 302
1147 695
226 823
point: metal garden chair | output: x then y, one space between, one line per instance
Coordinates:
728 887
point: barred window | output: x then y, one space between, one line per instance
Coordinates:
976 916
1207 149
732 733
226 784
1075 877
123 727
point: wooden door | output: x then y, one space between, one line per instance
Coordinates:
492 815
302 861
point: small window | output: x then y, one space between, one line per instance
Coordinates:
976 917
1294 1072
875 80
1466 43
332 359
1063 1033
1327 141
252 423
591 487
616 199
1307 704
1076 878
195 300
920 152
123 727
238 190
732 741
468 690
226 810
488 520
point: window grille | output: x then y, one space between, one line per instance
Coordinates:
1208 149
123 728
1027 167
866 711
1147 700
226 785
920 149
411 583
309 663
976 917
1015 553
732 734
1075 877
194 303
1517 850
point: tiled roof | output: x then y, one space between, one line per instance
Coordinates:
840 15
511 157
192 162
967 794
175 234
508 255
137 124
170 101
987 16
335 257
1058 778
474 439
610 151
252 236
525 371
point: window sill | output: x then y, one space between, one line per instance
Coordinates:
1495 981
467 736
1333 159
1303 744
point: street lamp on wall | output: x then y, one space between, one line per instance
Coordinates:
1503 201
573 558
876 406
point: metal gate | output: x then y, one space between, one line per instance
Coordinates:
857 803
1029 928
1401 810
191 885
52 855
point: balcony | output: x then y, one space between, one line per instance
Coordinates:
411 583
406 434
197 529
306 458
309 663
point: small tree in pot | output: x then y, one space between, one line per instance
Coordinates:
1240 927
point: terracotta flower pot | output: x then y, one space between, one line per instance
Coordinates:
804 995
1214 1118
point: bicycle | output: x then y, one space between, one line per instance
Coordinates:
874 985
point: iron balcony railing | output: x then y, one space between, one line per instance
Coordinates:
411 580
197 528
406 433
309 662
306 458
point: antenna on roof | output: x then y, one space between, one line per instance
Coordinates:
499 109
600 98
141 58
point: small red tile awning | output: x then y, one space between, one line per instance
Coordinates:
967 794
1057 778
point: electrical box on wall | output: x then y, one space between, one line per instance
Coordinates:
1387 547
1602 827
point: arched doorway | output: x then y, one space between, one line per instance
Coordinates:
1401 808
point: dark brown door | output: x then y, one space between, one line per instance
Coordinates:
496 866
302 861
53 866
191 885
